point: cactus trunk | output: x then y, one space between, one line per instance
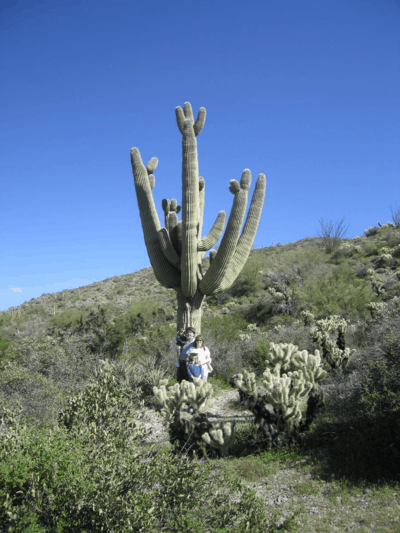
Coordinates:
189 310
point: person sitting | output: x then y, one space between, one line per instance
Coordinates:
199 364
186 343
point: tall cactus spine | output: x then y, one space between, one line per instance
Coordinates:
177 249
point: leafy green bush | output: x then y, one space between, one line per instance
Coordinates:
51 480
105 406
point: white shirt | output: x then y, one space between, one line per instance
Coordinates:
201 354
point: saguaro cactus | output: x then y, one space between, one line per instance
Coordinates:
177 249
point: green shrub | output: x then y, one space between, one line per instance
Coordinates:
7 351
105 406
38 394
51 481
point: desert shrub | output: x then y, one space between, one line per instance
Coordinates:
224 327
365 408
228 357
219 299
381 390
65 319
332 235
361 270
38 394
257 356
246 285
293 333
141 374
396 251
339 293
261 312
51 480
7 352
46 371
105 405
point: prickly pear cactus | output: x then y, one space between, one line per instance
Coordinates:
177 249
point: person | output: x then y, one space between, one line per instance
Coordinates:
199 360
186 343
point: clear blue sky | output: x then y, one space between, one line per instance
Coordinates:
305 91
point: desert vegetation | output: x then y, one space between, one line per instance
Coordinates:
309 337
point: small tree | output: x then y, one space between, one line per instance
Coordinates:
332 234
176 250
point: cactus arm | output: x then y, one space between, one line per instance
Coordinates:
173 230
219 279
199 124
186 113
190 210
213 253
217 270
202 191
168 248
247 237
165 273
214 234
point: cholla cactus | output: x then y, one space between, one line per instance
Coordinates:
376 283
335 353
338 358
308 318
276 294
175 400
221 436
286 393
386 258
376 308
350 248
172 401
247 384
372 230
176 250
310 365
281 355
252 328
